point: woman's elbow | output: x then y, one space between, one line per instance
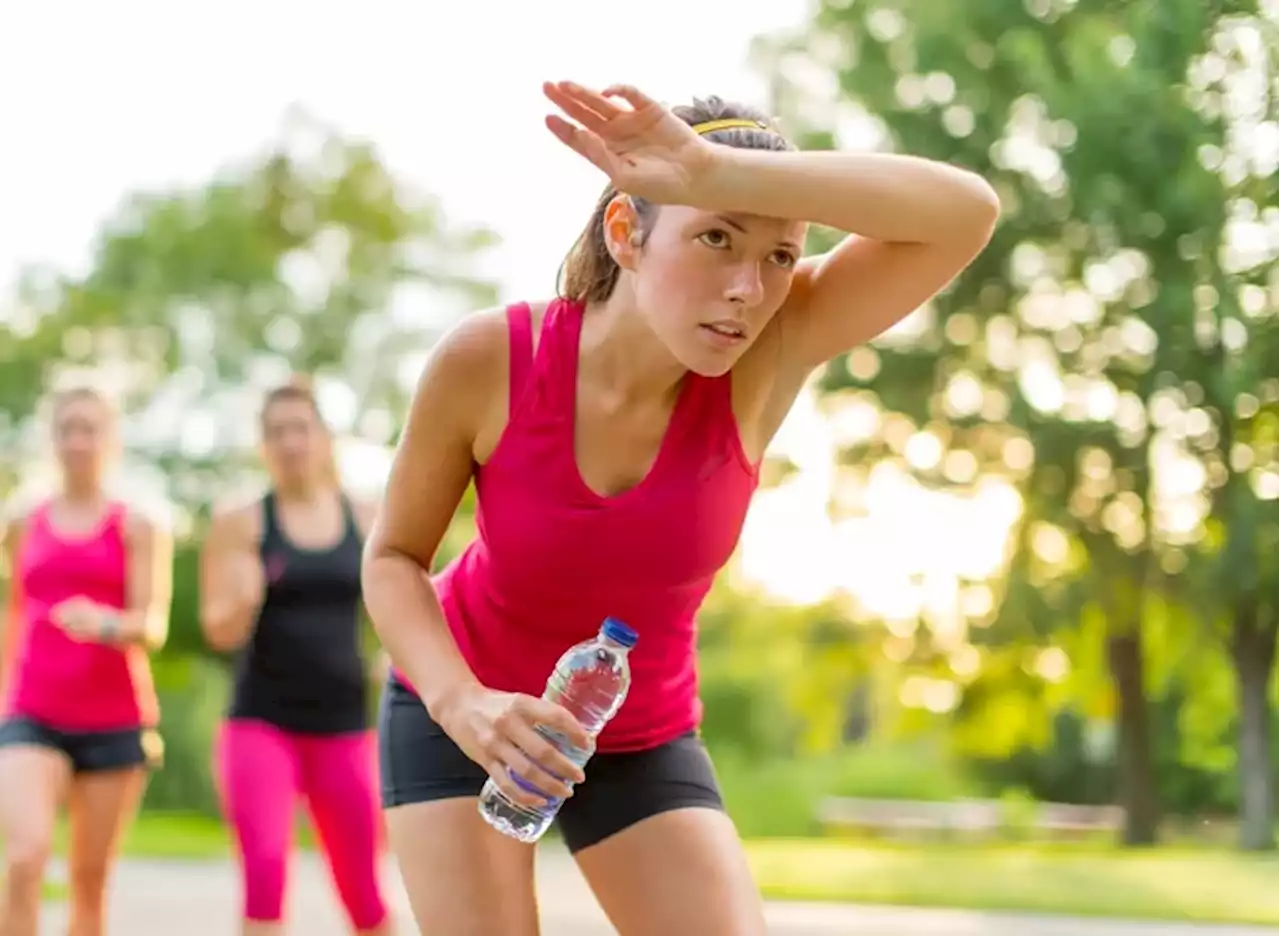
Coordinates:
373 584
984 204
157 636
382 577
216 627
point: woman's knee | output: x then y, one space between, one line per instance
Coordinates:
264 872
352 848
25 859
363 899
31 780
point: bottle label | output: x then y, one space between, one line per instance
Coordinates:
552 802
566 747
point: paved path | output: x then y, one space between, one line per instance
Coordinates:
199 899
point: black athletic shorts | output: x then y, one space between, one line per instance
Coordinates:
419 763
88 751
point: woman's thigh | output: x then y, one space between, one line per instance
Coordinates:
682 871
102 804
651 836
256 770
463 878
337 780
34 775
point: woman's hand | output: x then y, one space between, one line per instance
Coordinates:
498 730
83 619
644 149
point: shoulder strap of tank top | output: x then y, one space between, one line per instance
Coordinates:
117 516
35 523
37 517
349 517
520 339
559 342
270 522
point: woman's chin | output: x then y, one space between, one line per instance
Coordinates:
715 364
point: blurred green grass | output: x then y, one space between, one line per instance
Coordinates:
1193 885
781 798
1201 886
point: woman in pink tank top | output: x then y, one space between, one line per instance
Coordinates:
90 597
613 436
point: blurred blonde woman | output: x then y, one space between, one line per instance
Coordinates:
91 585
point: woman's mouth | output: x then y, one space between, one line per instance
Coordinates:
725 333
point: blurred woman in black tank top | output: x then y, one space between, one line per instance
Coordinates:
280 584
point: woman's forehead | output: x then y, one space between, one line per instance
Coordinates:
288 409
81 408
752 224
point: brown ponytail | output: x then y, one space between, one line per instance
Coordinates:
589 272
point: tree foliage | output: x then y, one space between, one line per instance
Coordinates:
1113 353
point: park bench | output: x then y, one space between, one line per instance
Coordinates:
963 818
1069 819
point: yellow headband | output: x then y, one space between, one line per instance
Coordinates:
728 123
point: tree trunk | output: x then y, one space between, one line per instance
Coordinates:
1254 648
1137 794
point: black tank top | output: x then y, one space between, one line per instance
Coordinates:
302 669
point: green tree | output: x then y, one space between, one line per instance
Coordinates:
311 257
1123 321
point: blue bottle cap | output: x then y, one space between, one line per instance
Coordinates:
619 633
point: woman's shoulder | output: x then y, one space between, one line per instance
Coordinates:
471 361
463 391
15 513
484 336
237 519
145 517
364 510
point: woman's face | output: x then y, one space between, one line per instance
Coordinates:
709 284
295 443
83 436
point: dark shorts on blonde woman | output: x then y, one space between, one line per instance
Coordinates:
88 751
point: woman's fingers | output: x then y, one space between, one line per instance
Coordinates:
505 780
632 95
583 142
545 755
535 785
586 107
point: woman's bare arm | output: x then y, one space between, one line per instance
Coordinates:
9 536
366 512
454 401
231 577
149 588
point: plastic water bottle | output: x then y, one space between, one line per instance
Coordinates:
591 681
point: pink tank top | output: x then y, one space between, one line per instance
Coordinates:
68 684
553 558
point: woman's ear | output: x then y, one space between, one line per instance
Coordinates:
622 234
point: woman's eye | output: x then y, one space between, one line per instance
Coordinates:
784 259
715 238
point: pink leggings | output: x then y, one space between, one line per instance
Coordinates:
262 770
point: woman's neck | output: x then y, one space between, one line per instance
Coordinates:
81 492
301 492
621 356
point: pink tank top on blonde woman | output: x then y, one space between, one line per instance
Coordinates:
553 558
67 684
